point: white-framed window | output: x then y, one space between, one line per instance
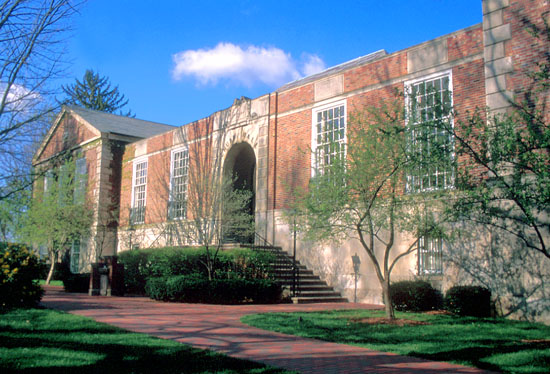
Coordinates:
328 135
179 169
81 178
75 256
429 121
139 192
430 253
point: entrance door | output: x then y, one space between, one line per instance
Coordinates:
240 165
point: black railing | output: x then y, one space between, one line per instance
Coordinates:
282 262
137 215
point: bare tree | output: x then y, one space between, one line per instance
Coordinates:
204 208
32 35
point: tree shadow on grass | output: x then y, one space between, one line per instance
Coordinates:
26 347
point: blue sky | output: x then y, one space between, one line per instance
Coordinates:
179 61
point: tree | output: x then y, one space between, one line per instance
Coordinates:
361 194
95 92
58 215
204 208
32 36
13 209
505 180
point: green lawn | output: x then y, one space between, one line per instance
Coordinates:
42 282
47 341
494 344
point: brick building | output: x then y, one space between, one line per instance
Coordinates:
137 167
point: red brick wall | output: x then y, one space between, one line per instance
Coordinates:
68 133
525 49
159 142
379 71
158 185
296 98
465 44
293 135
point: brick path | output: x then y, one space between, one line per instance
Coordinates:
218 328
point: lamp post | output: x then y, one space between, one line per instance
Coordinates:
356 263
294 255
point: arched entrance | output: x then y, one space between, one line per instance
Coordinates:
240 165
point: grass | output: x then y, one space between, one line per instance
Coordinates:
47 341
42 282
493 344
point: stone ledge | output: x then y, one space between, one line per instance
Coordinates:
494 52
497 34
489 6
498 67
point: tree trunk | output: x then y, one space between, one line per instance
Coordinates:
388 305
52 268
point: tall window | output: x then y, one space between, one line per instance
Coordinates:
75 256
430 252
177 206
429 121
137 212
49 180
329 135
81 177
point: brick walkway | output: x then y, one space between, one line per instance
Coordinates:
218 328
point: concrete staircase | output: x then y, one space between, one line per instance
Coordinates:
309 287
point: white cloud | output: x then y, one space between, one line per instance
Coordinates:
19 98
312 64
245 66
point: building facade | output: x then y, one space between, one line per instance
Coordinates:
273 142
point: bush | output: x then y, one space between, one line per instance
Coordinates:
72 282
415 296
76 282
18 273
194 289
469 301
143 264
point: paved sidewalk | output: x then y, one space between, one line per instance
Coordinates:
217 327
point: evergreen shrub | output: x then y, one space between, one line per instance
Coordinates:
72 282
469 301
193 289
415 296
19 270
142 264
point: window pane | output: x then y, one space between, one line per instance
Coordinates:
178 195
429 110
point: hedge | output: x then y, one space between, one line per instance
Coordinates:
192 289
19 267
469 301
143 264
415 296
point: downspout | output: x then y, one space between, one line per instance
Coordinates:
267 171
275 162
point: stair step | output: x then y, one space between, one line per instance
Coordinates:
311 289
309 300
315 287
290 272
310 277
302 284
319 293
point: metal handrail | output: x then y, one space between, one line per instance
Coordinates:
282 261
